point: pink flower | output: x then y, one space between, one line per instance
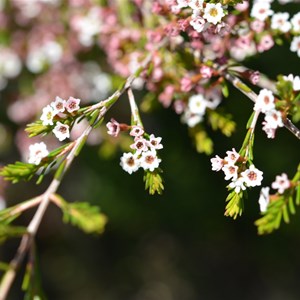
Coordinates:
186 84
232 156
72 104
217 163
113 128
136 131
206 72
265 43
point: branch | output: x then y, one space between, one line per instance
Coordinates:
242 87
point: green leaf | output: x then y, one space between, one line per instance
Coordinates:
8 231
153 182
82 215
37 128
222 121
18 171
235 205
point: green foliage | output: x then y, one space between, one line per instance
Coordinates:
203 142
8 231
18 171
235 205
153 182
82 215
36 128
277 210
222 121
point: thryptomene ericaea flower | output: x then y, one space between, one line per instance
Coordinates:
281 183
37 152
149 160
264 199
130 162
264 101
113 128
61 131
47 115
72 104
58 105
252 176
136 131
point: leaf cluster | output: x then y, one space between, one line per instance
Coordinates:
154 182
235 205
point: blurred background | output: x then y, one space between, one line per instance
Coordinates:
177 246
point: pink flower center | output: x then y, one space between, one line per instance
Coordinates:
252 175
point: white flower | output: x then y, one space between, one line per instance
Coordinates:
252 176
72 104
217 163
139 145
129 162
149 160
273 119
198 23
196 5
47 115
58 105
281 183
264 101
264 199
61 131
37 152
230 171
183 3
154 142
213 13
136 131
280 22
191 119
232 156
294 80
261 10
269 130
295 45
10 63
296 22
237 184
197 104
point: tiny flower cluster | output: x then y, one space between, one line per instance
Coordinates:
59 107
240 177
203 15
144 155
265 103
281 184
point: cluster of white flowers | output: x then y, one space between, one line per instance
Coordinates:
37 152
196 108
202 16
10 66
240 177
145 155
280 184
59 106
295 80
47 54
265 103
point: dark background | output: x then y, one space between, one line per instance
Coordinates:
177 246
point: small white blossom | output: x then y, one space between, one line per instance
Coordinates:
198 23
139 145
58 105
191 119
129 162
37 152
281 183
183 3
273 119
217 163
280 22
154 142
295 45
252 176
232 156
47 115
264 199
269 130
213 13
72 104
264 101
197 104
238 184
196 5
61 131
261 10
113 128
149 160
136 131
230 171
294 80
296 22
